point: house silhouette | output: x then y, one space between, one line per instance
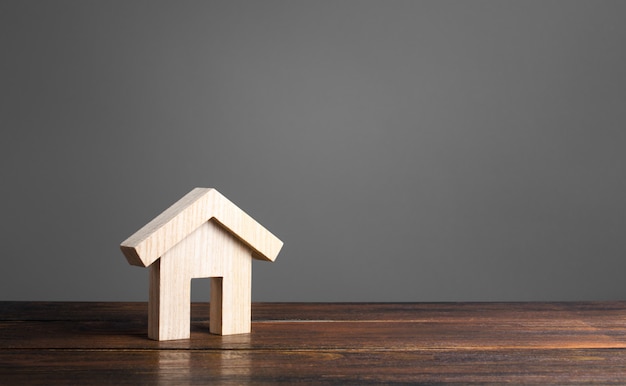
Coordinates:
201 235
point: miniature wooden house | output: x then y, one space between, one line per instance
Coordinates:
202 235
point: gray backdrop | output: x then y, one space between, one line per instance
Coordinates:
402 150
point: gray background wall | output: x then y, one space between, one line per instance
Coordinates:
403 150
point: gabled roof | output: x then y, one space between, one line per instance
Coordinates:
197 207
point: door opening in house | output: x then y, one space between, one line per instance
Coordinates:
206 299
200 296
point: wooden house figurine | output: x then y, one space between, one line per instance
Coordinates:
202 235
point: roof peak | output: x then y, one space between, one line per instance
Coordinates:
187 214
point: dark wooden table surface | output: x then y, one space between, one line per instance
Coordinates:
337 343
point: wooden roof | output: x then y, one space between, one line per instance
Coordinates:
185 216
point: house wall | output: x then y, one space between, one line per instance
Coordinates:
402 150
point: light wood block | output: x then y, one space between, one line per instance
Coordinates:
203 235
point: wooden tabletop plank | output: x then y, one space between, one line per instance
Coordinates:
313 336
598 312
339 343
401 326
180 367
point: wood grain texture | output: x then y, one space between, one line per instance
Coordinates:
202 235
351 343
209 251
185 216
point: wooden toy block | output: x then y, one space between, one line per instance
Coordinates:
202 235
